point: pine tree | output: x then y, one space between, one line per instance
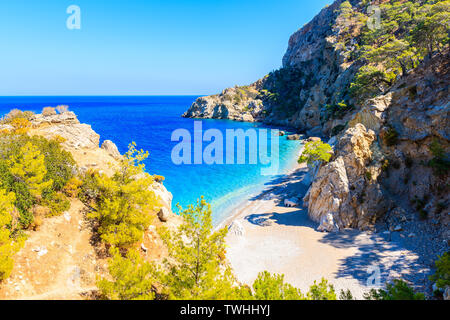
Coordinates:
196 268
131 278
126 202
273 287
8 246
29 166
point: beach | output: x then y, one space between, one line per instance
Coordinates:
266 235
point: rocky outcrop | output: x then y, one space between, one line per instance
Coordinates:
238 103
389 165
343 194
66 125
111 148
83 142
317 70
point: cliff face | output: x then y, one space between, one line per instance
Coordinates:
391 147
315 72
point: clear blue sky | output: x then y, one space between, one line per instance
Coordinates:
137 47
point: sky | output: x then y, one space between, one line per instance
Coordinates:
144 47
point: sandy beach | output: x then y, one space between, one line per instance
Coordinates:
266 235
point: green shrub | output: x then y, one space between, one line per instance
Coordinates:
337 111
59 163
399 290
24 201
391 137
337 129
273 287
17 114
442 274
321 291
439 163
316 151
57 202
132 278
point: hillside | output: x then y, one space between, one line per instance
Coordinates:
61 255
377 91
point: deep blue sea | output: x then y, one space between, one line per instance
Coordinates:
150 121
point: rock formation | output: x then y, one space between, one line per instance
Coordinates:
391 149
343 193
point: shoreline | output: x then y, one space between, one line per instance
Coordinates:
266 235
247 200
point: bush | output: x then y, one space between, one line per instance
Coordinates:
273 287
337 111
73 187
132 278
59 163
17 114
57 203
316 151
8 245
48 111
28 166
399 290
439 164
321 291
23 200
33 167
390 137
158 178
124 203
20 125
62 109
442 274
196 268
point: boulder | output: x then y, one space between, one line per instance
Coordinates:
111 148
163 214
294 137
337 197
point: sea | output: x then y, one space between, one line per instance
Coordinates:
150 121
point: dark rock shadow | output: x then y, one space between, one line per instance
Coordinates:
297 218
375 252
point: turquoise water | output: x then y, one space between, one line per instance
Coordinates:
150 121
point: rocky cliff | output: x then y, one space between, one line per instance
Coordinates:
84 144
380 99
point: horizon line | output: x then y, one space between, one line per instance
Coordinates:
105 95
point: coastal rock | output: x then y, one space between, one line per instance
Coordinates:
77 136
51 118
238 103
164 195
163 214
66 126
111 148
336 197
294 137
371 114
